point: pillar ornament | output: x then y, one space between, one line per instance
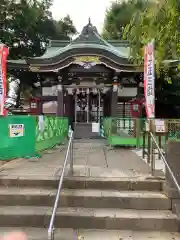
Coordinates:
115 88
70 90
13 93
59 87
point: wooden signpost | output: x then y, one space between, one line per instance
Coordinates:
159 129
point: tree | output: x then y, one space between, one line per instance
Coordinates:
26 26
64 28
119 15
160 21
140 23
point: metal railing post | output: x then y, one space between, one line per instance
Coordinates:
71 158
87 105
51 234
152 158
166 163
51 228
99 109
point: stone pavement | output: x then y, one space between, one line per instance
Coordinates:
92 158
71 234
159 163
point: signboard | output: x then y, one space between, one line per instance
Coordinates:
149 80
16 130
95 127
160 126
3 58
87 61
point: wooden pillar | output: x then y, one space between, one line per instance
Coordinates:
40 103
114 100
68 102
40 107
60 102
107 104
71 109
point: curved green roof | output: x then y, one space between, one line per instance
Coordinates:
88 42
51 52
88 39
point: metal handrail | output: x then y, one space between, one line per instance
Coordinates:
166 163
69 151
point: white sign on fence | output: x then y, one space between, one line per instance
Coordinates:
160 126
16 130
95 127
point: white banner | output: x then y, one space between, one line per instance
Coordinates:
149 80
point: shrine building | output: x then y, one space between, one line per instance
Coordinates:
85 79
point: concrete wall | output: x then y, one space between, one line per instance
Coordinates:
173 159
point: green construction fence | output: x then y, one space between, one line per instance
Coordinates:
129 131
27 136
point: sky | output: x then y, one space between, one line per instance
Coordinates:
81 10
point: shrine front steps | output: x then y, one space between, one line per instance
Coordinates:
87 203
93 234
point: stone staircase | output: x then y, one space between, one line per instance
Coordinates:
113 207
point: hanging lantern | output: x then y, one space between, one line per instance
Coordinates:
34 106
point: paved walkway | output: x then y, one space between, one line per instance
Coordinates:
91 158
93 234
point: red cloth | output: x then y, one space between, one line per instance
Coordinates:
136 107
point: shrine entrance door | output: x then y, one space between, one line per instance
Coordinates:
88 105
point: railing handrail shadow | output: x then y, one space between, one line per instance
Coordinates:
165 162
69 151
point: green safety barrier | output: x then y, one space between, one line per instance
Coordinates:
54 131
26 136
129 131
122 131
17 137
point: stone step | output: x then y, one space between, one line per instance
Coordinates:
89 234
41 233
88 198
115 183
89 218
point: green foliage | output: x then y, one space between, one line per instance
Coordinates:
26 26
140 21
119 15
160 21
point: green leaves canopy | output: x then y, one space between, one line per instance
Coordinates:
26 26
119 15
159 21
141 21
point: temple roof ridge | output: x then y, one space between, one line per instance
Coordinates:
89 34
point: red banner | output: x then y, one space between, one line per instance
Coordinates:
149 80
3 70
